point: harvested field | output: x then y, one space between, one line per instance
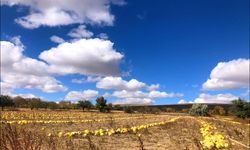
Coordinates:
107 131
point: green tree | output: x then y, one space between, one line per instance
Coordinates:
241 108
6 101
52 105
101 104
199 110
35 103
20 101
65 105
85 104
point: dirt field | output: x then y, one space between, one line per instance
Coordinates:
110 131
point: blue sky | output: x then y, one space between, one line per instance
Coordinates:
191 51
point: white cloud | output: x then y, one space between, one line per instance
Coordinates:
139 97
134 101
19 71
10 53
130 94
140 94
119 84
29 95
153 87
158 94
119 2
80 32
103 36
182 101
85 56
56 39
45 83
229 75
81 95
89 79
30 66
64 12
6 88
219 98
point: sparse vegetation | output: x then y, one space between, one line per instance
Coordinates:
74 129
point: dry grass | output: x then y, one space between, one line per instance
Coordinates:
183 134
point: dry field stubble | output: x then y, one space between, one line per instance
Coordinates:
67 130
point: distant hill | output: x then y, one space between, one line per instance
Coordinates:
177 107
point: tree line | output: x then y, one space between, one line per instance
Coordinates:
37 103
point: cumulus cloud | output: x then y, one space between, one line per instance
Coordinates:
103 36
64 12
81 95
183 101
6 88
134 97
89 79
19 71
84 56
57 39
153 87
158 94
229 75
119 84
140 94
219 98
29 95
144 101
80 32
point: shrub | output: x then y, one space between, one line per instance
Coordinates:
155 110
84 104
101 104
128 109
218 110
144 110
241 108
6 101
117 107
53 105
149 110
169 109
185 110
199 110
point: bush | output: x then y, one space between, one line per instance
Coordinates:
128 109
218 110
185 110
169 109
101 104
155 110
199 110
84 104
149 110
117 107
6 101
241 108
